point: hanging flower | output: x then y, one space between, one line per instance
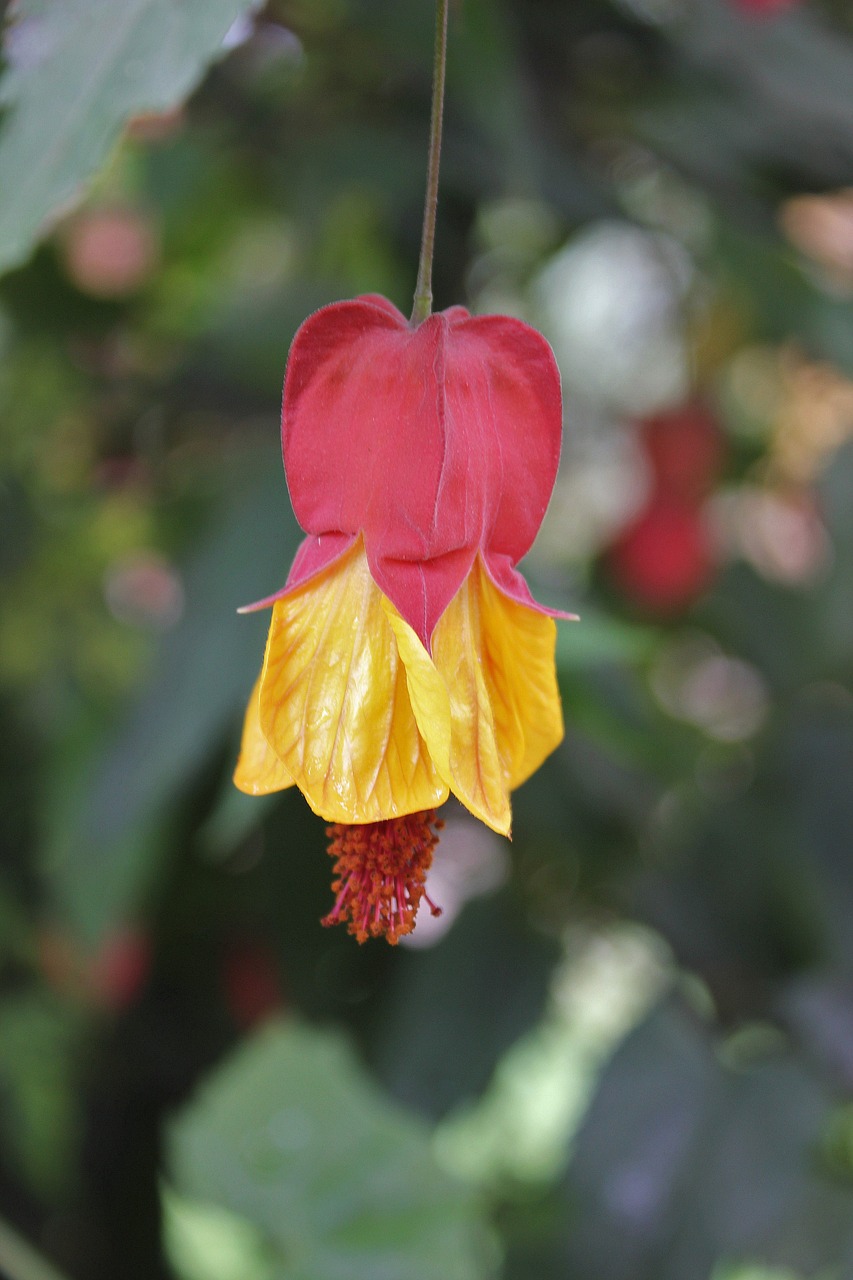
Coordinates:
406 658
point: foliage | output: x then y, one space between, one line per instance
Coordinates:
275 1137
67 99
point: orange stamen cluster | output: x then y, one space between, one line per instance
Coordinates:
380 874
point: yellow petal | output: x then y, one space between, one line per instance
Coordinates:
334 703
427 691
477 775
518 657
259 769
497 660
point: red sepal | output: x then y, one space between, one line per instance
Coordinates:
505 576
433 443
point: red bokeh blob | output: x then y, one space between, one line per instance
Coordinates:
111 252
665 558
685 450
120 969
251 983
112 978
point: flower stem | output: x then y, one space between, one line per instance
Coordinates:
423 289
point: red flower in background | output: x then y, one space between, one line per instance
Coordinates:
685 451
665 556
664 559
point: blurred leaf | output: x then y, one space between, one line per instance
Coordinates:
38 1106
600 639
683 1161
18 1261
233 817
769 625
752 1271
834 625
15 939
742 923
77 70
819 1008
491 972
821 760
754 93
102 845
250 335
207 1243
291 1135
633 1152
779 297
797 71
610 704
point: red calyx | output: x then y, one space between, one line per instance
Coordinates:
433 443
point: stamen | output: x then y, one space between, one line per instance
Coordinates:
380 874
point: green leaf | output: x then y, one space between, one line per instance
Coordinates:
15 939
18 1261
600 638
783 100
207 1243
292 1136
103 843
38 1111
684 1161
747 1271
78 69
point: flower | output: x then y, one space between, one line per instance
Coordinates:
685 451
406 658
665 557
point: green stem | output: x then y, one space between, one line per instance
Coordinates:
423 289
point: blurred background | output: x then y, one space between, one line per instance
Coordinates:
625 1051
